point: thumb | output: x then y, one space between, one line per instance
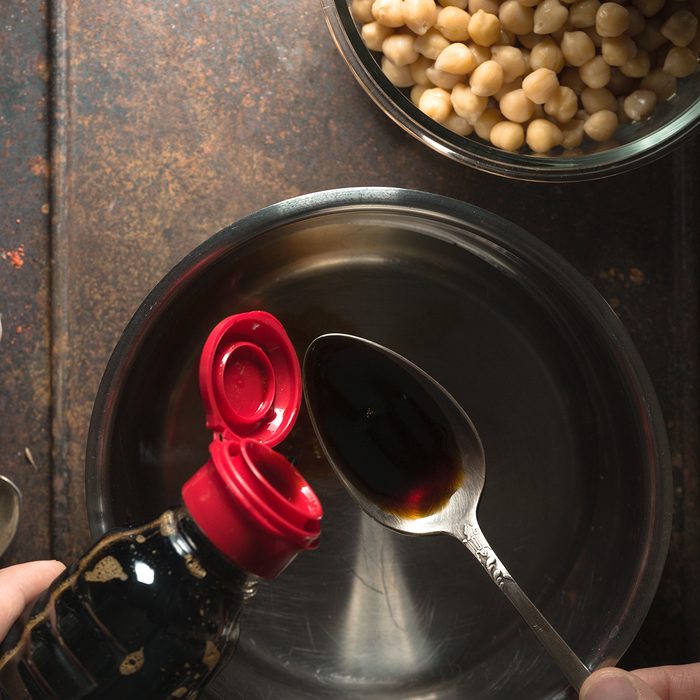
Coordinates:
616 684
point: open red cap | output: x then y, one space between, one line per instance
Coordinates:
250 502
250 379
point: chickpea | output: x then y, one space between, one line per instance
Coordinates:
481 53
388 12
680 27
435 102
622 117
542 135
582 13
570 78
651 38
456 59
490 6
540 85
529 41
488 119
484 28
453 23
418 71
515 17
612 19
601 126
505 89
694 45
562 105
550 16
595 73
547 54
680 62
461 4
506 38
430 44
639 104
416 93
577 48
529 3
516 106
398 75
649 7
398 48
637 66
361 10
596 99
593 36
374 35
572 134
457 124
486 78
419 15
507 135
442 79
467 104
620 84
617 50
511 60
661 84
637 21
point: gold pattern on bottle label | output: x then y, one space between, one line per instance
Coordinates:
195 567
132 663
211 655
106 569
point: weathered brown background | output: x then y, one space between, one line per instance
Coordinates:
131 131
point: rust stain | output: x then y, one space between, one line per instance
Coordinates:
15 257
42 69
39 166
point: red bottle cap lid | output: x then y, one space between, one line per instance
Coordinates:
249 379
249 501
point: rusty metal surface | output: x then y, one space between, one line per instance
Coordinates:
24 270
172 119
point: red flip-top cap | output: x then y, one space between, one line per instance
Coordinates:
250 502
253 506
250 379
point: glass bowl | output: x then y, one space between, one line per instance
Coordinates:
634 143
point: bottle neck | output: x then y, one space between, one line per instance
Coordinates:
214 562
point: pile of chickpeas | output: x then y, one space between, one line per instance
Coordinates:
546 73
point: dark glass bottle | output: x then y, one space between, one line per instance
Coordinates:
151 611
147 613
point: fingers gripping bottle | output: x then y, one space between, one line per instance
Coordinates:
151 611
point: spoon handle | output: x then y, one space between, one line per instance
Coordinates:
571 666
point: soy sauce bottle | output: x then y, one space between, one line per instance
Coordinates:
151 611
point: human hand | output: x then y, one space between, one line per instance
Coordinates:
20 585
662 683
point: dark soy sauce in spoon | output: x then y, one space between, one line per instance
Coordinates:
381 426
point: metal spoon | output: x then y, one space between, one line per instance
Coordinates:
337 359
10 502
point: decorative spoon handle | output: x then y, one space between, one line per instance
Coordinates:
571 666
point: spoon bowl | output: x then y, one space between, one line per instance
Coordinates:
10 504
388 429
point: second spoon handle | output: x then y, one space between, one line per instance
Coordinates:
570 665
